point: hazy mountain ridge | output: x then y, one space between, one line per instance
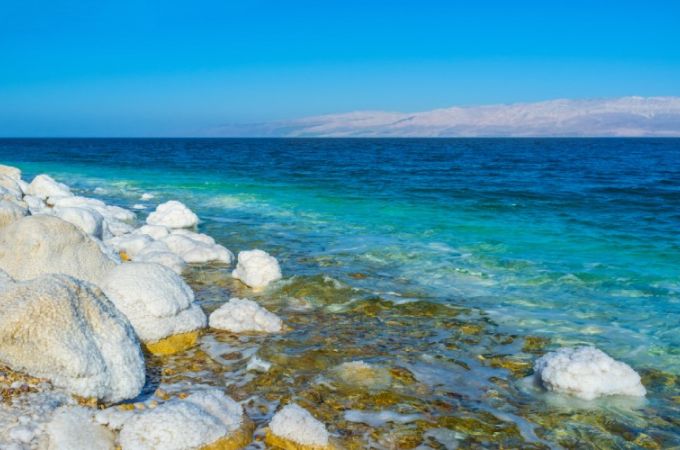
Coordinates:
625 116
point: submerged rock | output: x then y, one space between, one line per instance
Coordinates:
67 331
206 419
586 372
363 375
37 245
173 214
256 268
155 299
293 427
241 315
44 186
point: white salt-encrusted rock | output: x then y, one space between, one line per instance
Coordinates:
67 331
173 214
12 184
199 420
131 244
115 217
36 245
72 428
10 171
10 212
155 299
294 423
5 280
154 231
167 259
44 186
586 372
197 251
88 220
10 195
35 205
256 268
240 315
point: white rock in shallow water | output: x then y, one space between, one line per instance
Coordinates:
10 171
294 423
199 420
256 268
167 259
36 245
67 331
586 372
154 231
155 299
173 214
131 244
44 186
197 251
241 315
10 212
72 428
5 280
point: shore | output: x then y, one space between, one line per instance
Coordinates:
194 345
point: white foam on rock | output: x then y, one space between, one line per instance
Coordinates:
72 428
44 186
155 299
242 315
586 372
67 331
296 424
173 214
37 245
200 419
256 268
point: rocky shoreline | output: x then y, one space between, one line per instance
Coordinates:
88 295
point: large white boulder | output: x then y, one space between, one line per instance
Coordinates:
10 212
241 315
256 268
295 424
172 214
204 418
67 331
88 220
10 171
197 248
44 186
155 299
73 428
586 372
36 245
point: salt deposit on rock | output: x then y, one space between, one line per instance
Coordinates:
155 299
5 280
586 372
241 315
88 220
72 428
10 171
37 245
173 214
67 331
204 418
296 424
10 195
130 244
10 212
154 231
167 259
44 186
256 268
11 184
35 205
197 248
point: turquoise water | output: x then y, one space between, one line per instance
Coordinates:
572 239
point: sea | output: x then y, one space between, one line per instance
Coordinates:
452 263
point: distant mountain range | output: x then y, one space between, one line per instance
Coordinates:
625 116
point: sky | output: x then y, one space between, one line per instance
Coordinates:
176 67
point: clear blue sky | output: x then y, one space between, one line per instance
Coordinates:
111 68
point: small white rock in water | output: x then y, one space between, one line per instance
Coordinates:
240 315
296 424
256 268
37 245
199 420
44 186
146 196
155 299
586 372
173 214
67 331
72 428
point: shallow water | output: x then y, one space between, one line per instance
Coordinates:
432 259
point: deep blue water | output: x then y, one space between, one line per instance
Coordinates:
576 239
